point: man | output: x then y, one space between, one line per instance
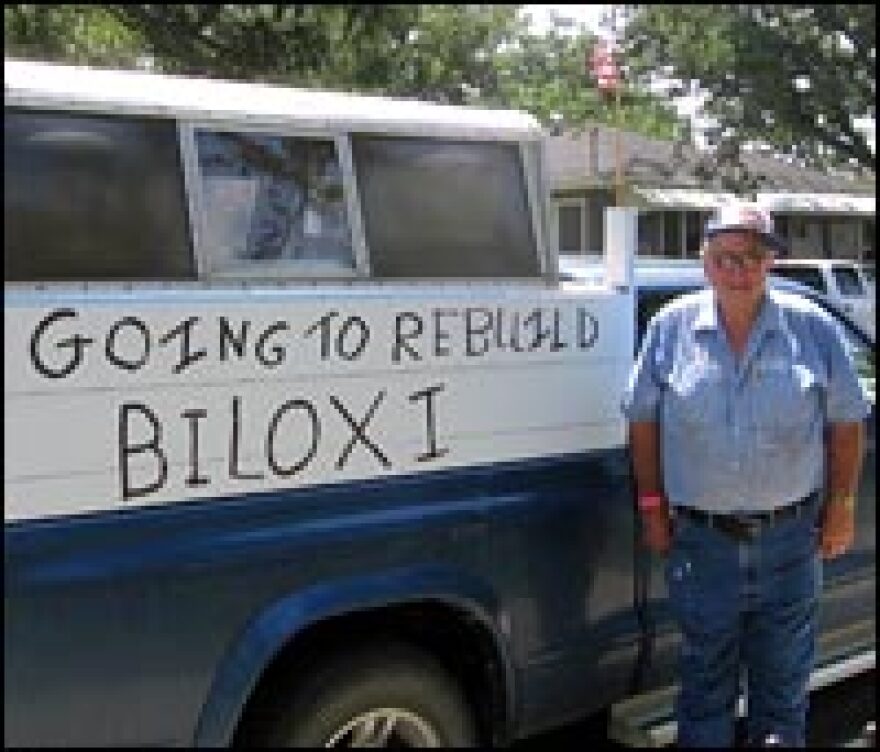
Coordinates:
746 432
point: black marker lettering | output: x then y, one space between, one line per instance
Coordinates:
323 324
277 350
363 329
110 344
234 471
228 337
77 342
472 330
357 431
399 336
441 335
557 343
499 329
187 357
126 450
537 315
514 333
193 417
430 422
587 329
273 426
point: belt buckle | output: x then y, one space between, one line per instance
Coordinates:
744 528
751 527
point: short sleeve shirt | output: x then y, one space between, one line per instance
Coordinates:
746 434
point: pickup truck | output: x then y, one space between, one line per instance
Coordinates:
846 283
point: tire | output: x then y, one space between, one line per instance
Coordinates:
383 695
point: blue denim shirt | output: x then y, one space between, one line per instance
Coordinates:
741 435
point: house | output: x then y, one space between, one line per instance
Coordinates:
821 214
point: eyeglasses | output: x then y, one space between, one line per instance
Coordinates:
728 261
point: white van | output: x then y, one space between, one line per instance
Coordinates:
843 282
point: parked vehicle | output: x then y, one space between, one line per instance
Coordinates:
869 274
300 432
305 443
844 282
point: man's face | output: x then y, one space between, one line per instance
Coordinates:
737 262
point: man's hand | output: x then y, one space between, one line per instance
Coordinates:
656 529
838 527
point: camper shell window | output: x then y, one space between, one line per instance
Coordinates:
436 208
272 205
110 197
93 197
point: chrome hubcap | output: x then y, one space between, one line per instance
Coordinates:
385 727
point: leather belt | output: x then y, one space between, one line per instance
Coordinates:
748 525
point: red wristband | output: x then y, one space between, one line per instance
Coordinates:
649 501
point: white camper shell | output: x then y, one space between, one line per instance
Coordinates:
217 288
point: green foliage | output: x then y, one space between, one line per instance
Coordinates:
548 76
470 54
80 34
790 76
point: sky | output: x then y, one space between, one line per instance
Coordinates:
591 15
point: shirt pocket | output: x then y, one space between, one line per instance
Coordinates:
786 401
697 399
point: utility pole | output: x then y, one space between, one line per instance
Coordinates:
606 71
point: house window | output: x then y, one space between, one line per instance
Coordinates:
693 228
570 224
650 233
781 225
672 234
595 233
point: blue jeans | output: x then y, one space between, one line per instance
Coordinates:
745 605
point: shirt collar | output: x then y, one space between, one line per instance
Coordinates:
707 315
769 316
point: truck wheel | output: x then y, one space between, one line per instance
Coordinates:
388 695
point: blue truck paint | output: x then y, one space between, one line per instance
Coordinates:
282 621
506 541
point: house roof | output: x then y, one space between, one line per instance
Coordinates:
586 158
776 201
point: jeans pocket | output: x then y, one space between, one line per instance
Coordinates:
679 579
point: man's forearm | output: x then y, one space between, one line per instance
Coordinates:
644 440
845 442
845 445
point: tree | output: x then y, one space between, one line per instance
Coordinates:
460 54
79 34
794 77
547 75
439 52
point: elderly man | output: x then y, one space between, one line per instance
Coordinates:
746 433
